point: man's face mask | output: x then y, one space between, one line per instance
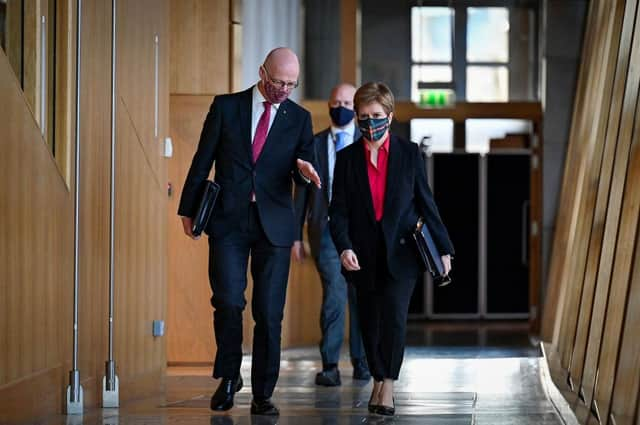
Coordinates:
276 91
273 93
341 116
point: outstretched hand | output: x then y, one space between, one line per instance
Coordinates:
309 172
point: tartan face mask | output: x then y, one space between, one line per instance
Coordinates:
373 128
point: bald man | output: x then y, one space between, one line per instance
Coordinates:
260 141
312 206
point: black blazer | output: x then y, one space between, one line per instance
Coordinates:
407 197
311 203
226 140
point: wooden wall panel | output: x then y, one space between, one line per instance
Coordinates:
94 195
581 204
612 224
584 203
136 74
36 242
189 314
200 46
35 260
600 254
627 390
619 289
140 259
13 36
596 254
555 289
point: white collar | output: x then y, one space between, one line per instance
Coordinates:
258 98
350 129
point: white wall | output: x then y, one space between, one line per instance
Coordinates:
267 24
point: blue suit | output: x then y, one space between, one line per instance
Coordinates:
312 206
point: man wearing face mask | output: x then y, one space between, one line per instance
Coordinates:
259 142
312 206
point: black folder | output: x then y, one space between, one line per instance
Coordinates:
429 254
208 196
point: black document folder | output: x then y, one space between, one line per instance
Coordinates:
208 196
429 254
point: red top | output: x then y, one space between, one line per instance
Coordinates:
378 176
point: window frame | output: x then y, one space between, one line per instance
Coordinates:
459 61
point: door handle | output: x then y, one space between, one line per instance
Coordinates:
524 248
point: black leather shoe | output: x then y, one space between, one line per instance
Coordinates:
264 407
222 399
329 377
361 370
386 410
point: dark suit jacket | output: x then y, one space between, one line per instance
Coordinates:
311 203
407 197
226 140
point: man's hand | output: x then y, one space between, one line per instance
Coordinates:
309 172
187 225
297 251
446 262
349 260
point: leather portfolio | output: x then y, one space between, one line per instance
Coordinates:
207 200
429 254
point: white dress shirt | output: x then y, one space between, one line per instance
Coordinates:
257 108
350 130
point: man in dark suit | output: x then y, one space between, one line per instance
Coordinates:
312 206
259 141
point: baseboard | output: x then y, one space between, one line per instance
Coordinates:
32 397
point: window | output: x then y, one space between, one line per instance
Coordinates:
483 54
435 134
37 36
479 132
487 54
431 47
28 39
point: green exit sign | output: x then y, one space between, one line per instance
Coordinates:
436 98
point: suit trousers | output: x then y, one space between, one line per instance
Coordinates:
335 293
384 306
228 260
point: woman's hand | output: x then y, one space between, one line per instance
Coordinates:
349 260
446 262
297 251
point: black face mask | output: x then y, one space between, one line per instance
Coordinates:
341 116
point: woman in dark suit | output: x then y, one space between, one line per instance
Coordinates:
380 191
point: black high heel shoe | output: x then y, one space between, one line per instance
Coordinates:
386 410
373 408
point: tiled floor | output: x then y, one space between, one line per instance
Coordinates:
439 384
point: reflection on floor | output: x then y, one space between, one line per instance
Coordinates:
502 382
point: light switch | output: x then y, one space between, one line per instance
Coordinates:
158 327
168 147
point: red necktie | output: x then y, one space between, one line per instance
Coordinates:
261 131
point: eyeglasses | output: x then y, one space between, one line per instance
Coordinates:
281 84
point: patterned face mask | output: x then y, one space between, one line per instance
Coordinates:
373 128
274 94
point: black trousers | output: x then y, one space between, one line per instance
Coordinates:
383 306
228 259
